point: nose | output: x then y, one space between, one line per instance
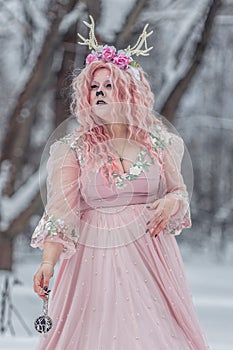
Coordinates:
99 93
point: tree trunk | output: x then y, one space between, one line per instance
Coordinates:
62 110
172 102
6 256
18 133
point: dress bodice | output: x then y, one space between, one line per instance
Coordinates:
140 185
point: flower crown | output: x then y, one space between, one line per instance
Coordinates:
121 58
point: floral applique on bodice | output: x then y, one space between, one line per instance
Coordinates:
141 164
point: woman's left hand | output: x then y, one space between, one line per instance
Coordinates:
163 209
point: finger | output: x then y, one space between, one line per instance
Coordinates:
154 220
38 282
46 282
158 204
158 221
152 206
47 291
158 229
153 228
156 217
41 281
39 291
43 293
41 284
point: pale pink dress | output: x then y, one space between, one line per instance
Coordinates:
117 288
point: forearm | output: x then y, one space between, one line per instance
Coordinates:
51 252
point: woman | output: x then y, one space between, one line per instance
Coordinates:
116 198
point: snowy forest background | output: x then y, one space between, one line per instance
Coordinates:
190 70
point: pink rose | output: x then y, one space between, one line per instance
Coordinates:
108 53
121 61
91 57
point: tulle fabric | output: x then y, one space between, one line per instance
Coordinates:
117 288
60 221
174 184
131 297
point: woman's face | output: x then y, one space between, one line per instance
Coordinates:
101 95
101 89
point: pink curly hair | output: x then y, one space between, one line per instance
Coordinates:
133 97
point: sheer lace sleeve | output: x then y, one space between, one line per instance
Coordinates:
60 221
174 184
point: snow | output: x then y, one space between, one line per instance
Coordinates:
210 282
181 51
212 290
113 16
14 205
74 16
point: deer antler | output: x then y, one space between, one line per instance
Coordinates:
136 49
92 42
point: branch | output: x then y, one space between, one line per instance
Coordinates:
180 76
14 207
18 225
12 15
125 34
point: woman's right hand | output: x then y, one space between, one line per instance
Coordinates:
41 280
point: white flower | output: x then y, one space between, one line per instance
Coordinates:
60 222
135 171
47 226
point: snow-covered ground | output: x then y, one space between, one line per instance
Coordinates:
211 285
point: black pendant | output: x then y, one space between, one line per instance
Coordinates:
43 323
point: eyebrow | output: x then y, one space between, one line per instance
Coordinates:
94 81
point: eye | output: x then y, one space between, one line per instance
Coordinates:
109 85
94 86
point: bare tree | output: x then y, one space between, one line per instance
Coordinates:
18 134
